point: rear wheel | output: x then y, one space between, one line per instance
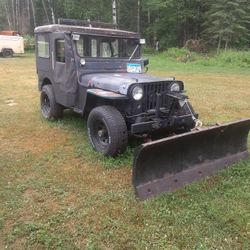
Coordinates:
7 53
107 131
49 107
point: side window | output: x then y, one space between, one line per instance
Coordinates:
42 46
60 50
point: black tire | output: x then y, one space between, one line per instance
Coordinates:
50 109
107 131
7 53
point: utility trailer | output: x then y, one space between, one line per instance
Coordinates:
98 70
10 45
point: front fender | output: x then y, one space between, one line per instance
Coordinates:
107 94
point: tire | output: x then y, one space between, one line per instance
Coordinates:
7 53
107 131
50 109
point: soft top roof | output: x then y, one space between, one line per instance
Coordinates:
86 30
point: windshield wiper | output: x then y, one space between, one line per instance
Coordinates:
132 55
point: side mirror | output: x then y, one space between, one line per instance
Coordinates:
146 62
142 41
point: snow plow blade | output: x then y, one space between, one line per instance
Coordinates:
168 164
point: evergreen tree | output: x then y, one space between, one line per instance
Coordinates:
226 22
174 22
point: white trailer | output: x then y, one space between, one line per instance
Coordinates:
10 45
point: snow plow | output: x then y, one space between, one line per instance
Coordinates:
168 164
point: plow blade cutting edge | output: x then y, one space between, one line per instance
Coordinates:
171 163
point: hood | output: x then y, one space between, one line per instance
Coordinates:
118 82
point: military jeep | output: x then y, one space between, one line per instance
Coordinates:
98 70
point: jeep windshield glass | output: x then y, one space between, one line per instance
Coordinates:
106 47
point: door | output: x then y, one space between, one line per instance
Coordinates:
65 81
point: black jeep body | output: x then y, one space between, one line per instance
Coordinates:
100 71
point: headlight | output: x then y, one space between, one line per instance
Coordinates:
175 87
137 93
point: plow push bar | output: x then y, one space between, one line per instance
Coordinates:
173 162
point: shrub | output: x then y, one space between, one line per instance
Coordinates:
196 46
29 42
181 55
234 58
177 53
231 58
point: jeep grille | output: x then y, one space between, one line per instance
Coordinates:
150 90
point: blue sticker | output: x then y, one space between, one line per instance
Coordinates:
134 68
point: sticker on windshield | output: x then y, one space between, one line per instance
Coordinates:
134 68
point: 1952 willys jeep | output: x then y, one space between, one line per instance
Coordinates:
100 71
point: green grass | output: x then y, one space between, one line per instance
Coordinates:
56 193
237 62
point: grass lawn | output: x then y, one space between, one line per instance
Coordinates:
56 193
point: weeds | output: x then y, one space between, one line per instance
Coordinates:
230 58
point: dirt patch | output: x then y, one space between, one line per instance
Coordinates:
38 204
36 142
91 179
42 141
19 243
32 195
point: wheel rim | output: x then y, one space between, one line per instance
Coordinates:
45 104
101 133
7 54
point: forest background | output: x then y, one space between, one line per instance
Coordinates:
201 25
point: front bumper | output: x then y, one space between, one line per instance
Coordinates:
176 122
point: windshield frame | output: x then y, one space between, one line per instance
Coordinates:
98 38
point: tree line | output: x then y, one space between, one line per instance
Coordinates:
217 23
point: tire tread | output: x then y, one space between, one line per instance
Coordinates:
56 111
118 127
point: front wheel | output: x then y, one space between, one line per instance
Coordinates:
107 130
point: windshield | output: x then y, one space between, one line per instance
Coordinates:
106 47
